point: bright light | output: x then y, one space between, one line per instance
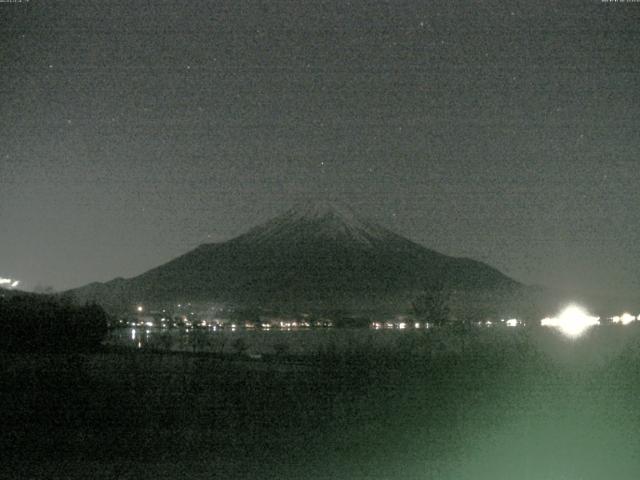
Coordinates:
624 319
9 282
512 322
140 308
573 321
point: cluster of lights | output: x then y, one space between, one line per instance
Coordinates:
624 319
402 325
573 321
294 324
512 322
9 282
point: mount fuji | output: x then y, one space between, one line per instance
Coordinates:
313 255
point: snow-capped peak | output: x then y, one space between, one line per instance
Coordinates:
326 220
321 209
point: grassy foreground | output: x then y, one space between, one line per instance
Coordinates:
529 406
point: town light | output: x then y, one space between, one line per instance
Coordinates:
625 319
140 308
9 282
573 321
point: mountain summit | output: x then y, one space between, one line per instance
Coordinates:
310 221
313 255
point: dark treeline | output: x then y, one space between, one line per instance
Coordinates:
39 323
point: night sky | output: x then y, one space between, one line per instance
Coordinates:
505 131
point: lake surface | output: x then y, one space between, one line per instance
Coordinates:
295 341
309 341
597 345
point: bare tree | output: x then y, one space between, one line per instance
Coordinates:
433 305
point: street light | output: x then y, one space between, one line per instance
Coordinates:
573 321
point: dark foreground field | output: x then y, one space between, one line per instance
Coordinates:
530 406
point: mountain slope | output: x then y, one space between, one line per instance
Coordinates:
313 254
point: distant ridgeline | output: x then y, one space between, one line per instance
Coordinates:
33 323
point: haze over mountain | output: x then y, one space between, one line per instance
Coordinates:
314 255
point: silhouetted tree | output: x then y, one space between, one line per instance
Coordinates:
198 340
281 349
240 345
166 341
433 304
37 323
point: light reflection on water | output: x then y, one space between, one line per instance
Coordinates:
599 346
260 341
